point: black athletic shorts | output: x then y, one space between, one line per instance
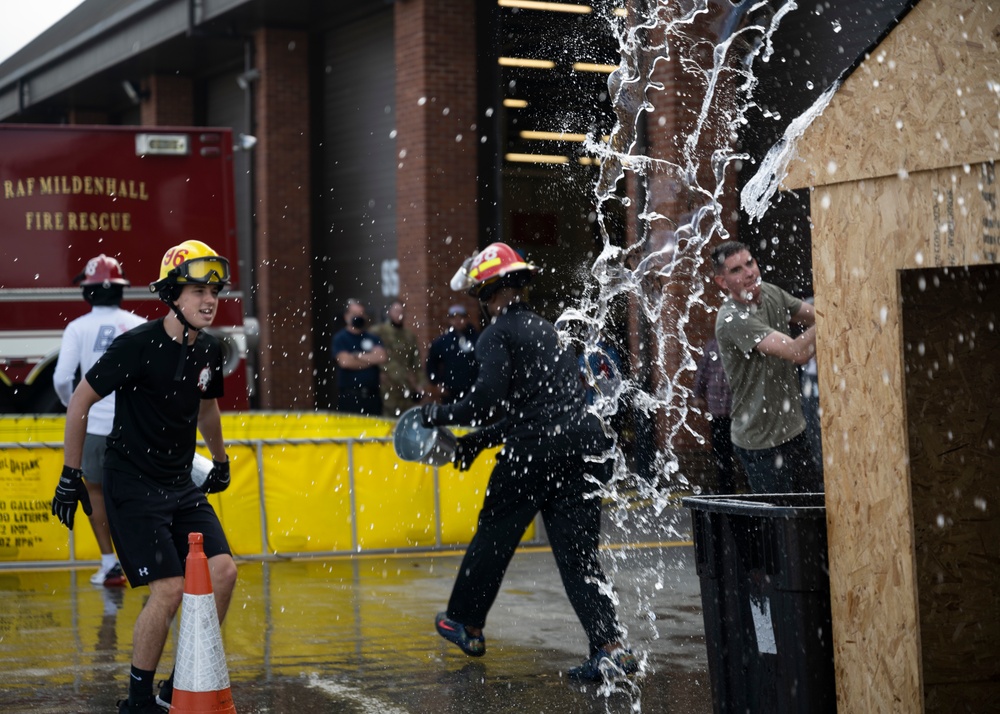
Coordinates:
150 525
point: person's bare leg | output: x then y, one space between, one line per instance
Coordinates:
153 624
223 572
99 518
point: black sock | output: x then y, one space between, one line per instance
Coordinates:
140 685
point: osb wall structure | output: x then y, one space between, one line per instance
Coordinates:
902 167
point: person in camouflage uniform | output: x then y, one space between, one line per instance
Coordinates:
402 379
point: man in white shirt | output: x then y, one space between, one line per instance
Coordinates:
85 339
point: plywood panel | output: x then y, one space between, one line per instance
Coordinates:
928 97
863 233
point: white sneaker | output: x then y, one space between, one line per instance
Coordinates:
113 577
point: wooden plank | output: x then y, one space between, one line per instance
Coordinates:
926 98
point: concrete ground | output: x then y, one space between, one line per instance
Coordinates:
357 634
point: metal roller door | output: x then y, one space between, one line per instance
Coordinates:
355 239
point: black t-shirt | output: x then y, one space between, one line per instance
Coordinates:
156 417
528 389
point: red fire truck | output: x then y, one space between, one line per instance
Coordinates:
68 193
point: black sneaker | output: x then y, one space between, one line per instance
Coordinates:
147 707
166 693
455 632
604 665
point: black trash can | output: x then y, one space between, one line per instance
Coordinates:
765 592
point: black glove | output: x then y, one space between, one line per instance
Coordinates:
217 479
467 448
70 491
430 415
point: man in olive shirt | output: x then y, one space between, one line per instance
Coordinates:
761 359
402 381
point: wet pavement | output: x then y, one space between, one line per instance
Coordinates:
357 635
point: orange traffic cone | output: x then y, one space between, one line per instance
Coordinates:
201 678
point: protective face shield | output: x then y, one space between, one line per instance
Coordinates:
487 267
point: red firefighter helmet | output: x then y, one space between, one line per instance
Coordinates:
495 261
102 270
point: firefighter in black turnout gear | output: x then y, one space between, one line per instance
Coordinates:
528 397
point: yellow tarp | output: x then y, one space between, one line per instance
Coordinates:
310 499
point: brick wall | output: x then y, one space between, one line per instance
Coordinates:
437 140
168 101
82 116
282 220
677 108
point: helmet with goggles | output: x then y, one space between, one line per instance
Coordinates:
191 262
494 266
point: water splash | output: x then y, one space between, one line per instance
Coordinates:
760 189
671 246
714 47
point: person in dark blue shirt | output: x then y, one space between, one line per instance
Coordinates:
451 361
358 354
